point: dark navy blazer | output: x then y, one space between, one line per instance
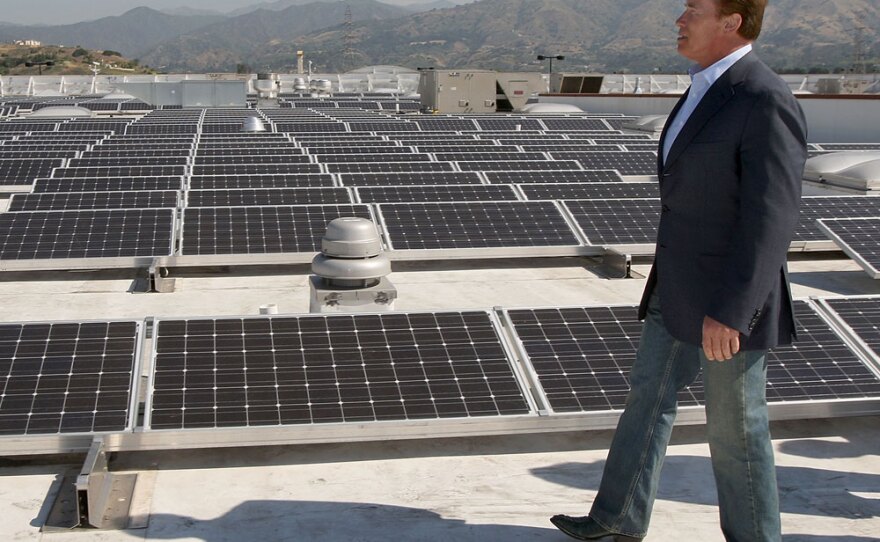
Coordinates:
730 193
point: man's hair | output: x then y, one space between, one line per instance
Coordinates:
752 12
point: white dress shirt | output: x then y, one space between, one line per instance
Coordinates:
701 80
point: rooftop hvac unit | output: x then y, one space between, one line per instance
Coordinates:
515 89
457 91
575 83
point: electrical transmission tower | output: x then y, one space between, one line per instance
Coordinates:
349 57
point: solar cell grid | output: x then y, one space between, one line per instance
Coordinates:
127 161
298 127
417 178
536 191
576 124
561 146
862 315
583 356
206 151
380 149
519 165
389 167
260 230
475 225
322 369
387 126
373 157
232 158
14 171
38 235
66 201
617 221
596 176
120 171
858 237
816 207
43 153
208 182
449 125
107 184
428 193
627 163
254 169
486 155
266 196
66 377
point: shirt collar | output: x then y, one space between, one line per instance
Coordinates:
706 77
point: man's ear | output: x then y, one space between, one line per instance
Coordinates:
732 22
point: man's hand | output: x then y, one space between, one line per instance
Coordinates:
719 341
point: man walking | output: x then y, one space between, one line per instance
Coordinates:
730 163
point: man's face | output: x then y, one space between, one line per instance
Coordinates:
701 32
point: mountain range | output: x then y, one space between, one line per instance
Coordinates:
597 35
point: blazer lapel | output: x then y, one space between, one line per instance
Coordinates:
717 95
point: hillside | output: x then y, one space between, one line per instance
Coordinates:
254 38
131 33
601 35
66 61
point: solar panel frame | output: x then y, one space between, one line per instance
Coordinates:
114 238
577 191
69 201
418 367
856 318
89 361
578 360
858 237
249 197
108 184
292 180
431 193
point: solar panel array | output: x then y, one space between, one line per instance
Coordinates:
350 370
582 358
333 151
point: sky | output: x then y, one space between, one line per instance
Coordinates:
68 11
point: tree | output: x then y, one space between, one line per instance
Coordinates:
80 52
108 52
241 67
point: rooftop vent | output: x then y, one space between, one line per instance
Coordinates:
819 167
545 107
648 123
253 124
350 272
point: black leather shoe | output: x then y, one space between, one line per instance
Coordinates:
585 528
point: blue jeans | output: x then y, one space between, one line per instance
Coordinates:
738 434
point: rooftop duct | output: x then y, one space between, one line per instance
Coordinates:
350 272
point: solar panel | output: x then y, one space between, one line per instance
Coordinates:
146 128
385 147
108 184
299 127
67 377
449 125
575 124
260 230
561 146
461 147
862 316
519 165
582 357
859 238
627 163
43 152
131 152
242 150
120 171
222 182
417 178
595 176
18 171
489 156
816 207
389 167
534 191
509 124
377 157
266 196
849 146
127 161
70 201
388 126
426 193
617 221
37 235
322 369
231 157
475 225
254 169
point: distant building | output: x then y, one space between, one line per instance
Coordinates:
28 43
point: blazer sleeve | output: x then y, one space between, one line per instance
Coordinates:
771 162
